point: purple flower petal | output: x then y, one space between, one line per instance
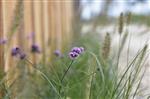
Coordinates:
15 51
3 41
73 55
35 48
76 49
22 56
82 49
57 53
75 52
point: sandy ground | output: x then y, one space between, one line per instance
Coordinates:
139 35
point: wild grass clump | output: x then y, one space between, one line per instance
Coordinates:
86 72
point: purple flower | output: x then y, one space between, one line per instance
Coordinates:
76 49
22 56
82 49
15 51
75 52
35 48
57 53
3 41
73 55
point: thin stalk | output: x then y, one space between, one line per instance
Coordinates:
99 66
83 78
133 80
139 83
138 69
128 87
124 75
65 74
124 85
119 52
44 76
66 71
121 90
128 49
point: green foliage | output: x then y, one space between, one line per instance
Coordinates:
88 78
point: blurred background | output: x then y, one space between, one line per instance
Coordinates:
113 8
53 24
58 24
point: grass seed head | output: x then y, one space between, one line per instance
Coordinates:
121 24
106 46
128 18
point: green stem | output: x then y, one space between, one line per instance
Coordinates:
66 71
45 77
65 75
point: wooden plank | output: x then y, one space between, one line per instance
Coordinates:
63 23
53 28
28 24
58 26
21 34
46 29
1 45
2 65
51 14
69 9
66 22
37 24
8 15
29 30
43 39
33 29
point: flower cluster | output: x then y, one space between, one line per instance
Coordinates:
35 48
75 52
17 52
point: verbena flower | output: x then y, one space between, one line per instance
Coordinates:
3 41
76 49
17 52
22 56
73 55
58 53
35 48
82 49
75 52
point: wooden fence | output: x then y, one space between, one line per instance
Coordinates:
49 20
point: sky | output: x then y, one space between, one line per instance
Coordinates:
93 7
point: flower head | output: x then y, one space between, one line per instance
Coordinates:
75 52
82 49
35 48
22 56
3 41
15 51
73 55
58 53
76 49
